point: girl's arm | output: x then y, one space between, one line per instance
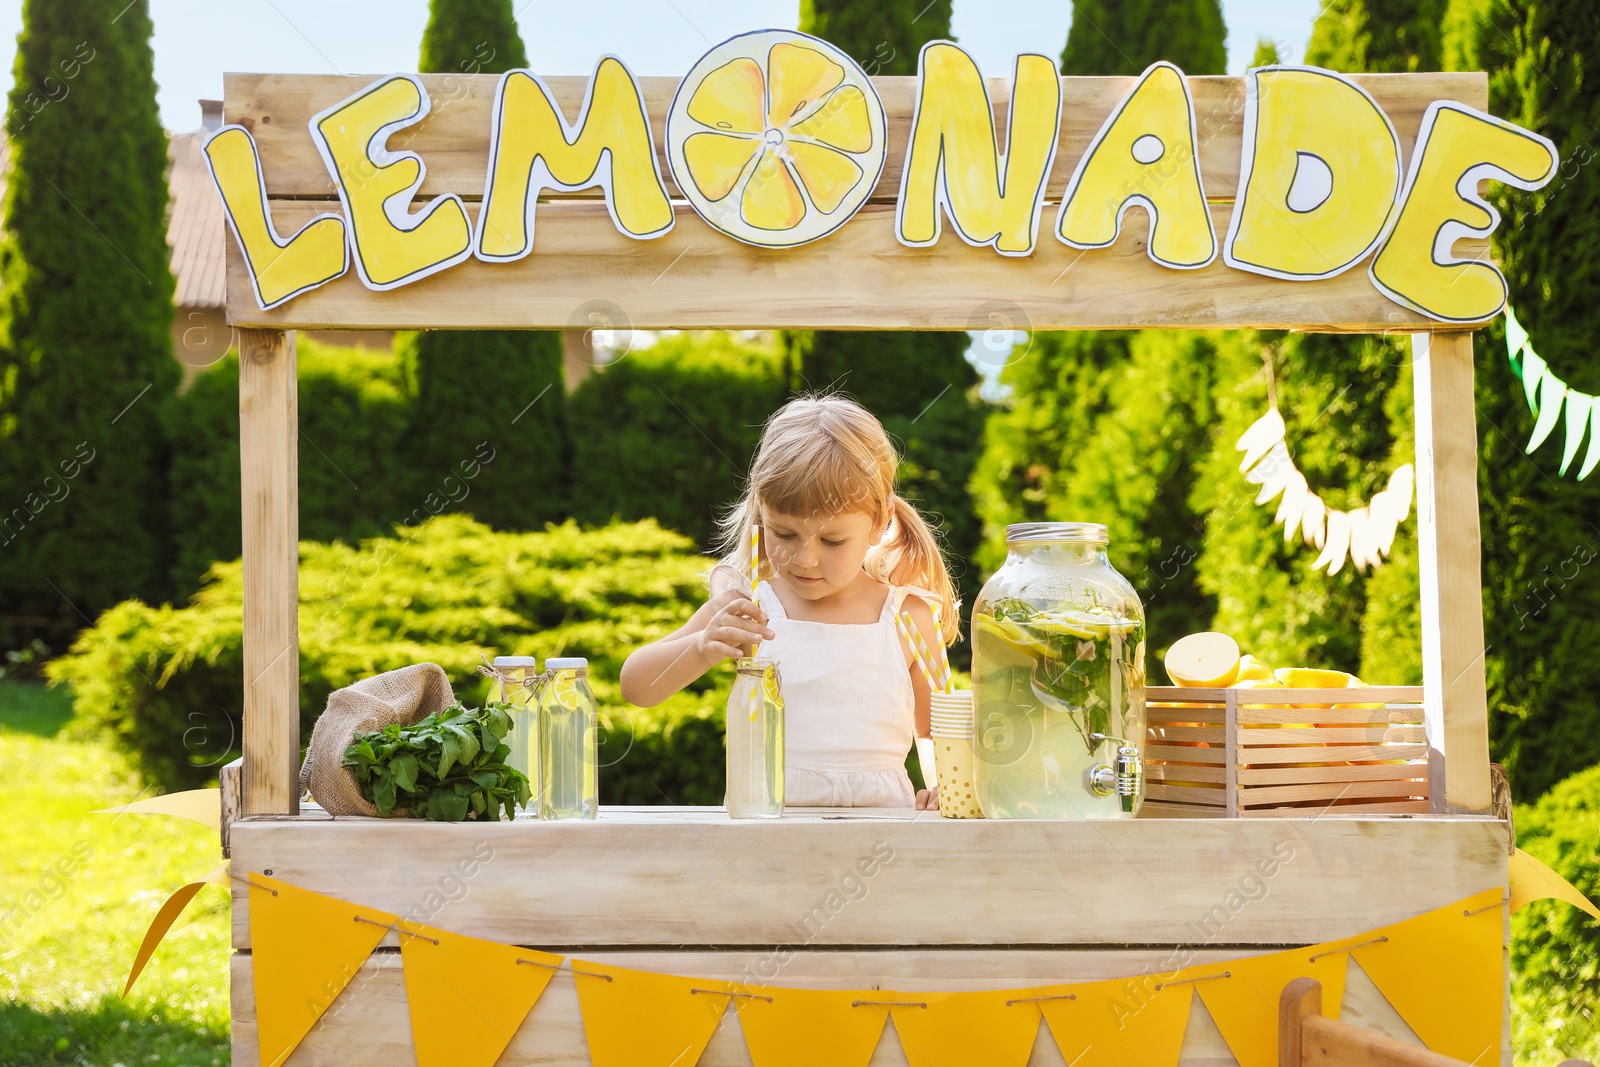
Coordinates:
723 628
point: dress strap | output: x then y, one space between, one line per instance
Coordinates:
772 605
898 594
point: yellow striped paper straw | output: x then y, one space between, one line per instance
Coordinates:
943 661
755 591
919 649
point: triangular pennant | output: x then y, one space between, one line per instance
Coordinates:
468 996
802 1027
639 1019
1591 458
1552 391
1579 406
305 949
1244 1005
203 806
992 1027
1532 879
1534 368
1116 1023
166 916
1444 972
1516 336
1265 432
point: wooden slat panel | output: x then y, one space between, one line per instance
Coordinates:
1189 794
1334 773
1449 560
1214 735
269 485
454 140
1193 715
1291 794
1179 754
1170 772
1385 694
1325 754
707 880
1322 812
858 278
368 1024
1404 715
1332 735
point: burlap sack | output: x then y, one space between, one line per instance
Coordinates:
403 696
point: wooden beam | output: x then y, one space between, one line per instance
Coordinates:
693 877
1308 1038
269 494
454 139
1450 566
859 278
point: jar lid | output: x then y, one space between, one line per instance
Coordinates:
1093 533
566 663
515 661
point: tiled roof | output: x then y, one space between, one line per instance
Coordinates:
196 228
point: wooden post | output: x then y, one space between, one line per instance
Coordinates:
1450 564
269 432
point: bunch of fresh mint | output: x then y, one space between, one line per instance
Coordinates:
449 766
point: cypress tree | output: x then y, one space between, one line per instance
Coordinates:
86 360
920 385
1540 537
503 387
1395 36
1119 37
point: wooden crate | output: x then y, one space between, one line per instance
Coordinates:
1286 752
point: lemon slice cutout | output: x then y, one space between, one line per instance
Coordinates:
1206 660
776 138
1253 670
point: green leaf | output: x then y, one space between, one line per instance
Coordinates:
468 741
452 808
404 769
383 794
487 779
452 754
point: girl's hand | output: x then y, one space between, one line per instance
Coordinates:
928 799
736 624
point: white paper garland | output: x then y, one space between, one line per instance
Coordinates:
1364 536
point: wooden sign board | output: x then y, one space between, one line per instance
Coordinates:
583 272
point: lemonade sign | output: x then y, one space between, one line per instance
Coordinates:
777 139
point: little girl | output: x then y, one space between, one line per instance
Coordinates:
841 554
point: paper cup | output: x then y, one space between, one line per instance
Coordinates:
952 757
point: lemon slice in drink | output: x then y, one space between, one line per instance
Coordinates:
776 138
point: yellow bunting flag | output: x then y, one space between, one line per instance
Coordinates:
954 1029
802 1027
203 806
166 916
1532 879
306 948
468 996
638 1019
1244 1005
1444 972
1123 1021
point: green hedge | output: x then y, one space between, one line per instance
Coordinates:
1555 948
354 407
167 683
669 431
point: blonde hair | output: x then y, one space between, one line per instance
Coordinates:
824 454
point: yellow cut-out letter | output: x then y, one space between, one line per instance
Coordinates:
534 149
953 163
392 246
279 269
1144 155
1457 147
1318 177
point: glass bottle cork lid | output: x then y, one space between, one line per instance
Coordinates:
566 663
515 661
1093 533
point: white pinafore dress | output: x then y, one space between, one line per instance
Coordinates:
848 706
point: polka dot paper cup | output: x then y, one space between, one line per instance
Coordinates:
953 754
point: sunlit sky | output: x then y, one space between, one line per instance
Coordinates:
196 40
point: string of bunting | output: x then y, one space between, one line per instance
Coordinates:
1363 535
1548 396
467 997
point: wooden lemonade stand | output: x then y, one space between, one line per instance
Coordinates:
949 905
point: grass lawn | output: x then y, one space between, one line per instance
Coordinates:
78 890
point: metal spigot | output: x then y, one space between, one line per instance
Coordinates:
1125 778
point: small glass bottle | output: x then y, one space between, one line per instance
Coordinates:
569 744
755 741
514 681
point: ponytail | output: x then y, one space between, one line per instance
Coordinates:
910 555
